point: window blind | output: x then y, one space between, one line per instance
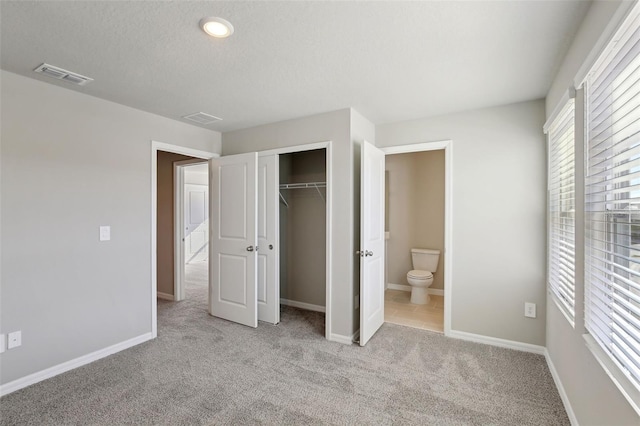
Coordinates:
612 201
561 187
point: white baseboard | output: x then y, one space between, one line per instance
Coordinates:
165 296
494 341
70 365
563 394
406 287
302 305
401 287
346 340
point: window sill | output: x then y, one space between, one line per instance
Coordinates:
618 377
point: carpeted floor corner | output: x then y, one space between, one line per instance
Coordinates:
204 371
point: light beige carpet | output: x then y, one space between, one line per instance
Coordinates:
203 370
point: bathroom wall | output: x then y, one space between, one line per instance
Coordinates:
415 211
305 275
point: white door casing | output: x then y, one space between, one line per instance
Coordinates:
233 254
268 240
371 241
196 222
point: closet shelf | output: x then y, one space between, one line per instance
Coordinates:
304 185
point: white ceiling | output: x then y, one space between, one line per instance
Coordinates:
391 61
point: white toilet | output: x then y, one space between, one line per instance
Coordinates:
425 264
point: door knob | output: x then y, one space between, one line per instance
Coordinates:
368 253
270 246
250 248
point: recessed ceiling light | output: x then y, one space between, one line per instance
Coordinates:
216 27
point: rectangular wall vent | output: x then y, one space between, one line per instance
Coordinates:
61 74
201 118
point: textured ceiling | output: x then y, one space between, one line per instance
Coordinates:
391 61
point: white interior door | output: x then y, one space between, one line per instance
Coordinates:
233 260
196 218
371 241
268 240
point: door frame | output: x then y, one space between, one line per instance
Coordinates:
178 225
328 225
176 149
447 145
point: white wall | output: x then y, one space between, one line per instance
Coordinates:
196 178
70 163
499 197
334 127
593 397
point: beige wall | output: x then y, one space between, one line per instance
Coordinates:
593 397
165 232
415 211
305 231
70 163
499 215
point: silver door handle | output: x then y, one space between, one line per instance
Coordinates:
368 253
250 248
361 253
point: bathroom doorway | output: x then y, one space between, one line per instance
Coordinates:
415 217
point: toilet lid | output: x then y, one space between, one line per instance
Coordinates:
416 273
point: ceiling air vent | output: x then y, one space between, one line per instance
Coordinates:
201 118
61 74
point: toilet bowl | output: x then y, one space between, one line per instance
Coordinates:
425 262
419 281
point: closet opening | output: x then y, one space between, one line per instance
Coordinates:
303 237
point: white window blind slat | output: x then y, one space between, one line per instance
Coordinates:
561 230
612 202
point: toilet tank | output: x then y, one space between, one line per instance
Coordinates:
425 259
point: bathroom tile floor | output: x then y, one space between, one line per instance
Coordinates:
399 310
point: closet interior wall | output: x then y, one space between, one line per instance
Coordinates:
303 229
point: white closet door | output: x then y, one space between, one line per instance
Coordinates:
268 240
233 260
371 242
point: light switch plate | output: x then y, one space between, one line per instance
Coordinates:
105 233
15 340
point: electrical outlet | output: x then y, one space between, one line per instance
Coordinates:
356 301
15 340
105 233
530 310
3 343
